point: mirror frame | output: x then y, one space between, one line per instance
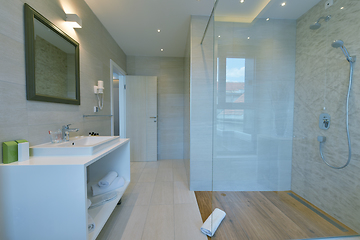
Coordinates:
30 15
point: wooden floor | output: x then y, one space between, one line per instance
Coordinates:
267 216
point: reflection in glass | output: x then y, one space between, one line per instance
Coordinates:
54 64
233 120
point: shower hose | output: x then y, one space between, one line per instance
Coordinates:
347 125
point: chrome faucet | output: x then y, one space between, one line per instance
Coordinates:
65 132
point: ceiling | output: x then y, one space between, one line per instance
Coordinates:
134 24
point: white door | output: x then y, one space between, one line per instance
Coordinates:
141 117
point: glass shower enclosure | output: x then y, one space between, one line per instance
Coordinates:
273 76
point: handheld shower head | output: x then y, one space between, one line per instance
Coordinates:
340 44
337 43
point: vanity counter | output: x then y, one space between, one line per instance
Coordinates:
69 160
46 197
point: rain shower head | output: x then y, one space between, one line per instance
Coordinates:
340 44
317 25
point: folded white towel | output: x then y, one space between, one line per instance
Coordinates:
108 179
117 183
103 198
88 203
91 224
212 222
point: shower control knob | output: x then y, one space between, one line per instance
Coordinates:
324 121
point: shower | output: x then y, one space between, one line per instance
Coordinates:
340 44
351 60
317 25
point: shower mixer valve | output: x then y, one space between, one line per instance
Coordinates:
324 121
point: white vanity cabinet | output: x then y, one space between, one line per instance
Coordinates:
45 197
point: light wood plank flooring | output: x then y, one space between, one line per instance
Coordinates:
268 216
157 205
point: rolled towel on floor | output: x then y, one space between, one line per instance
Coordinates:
212 222
117 183
91 224
108 179
88 203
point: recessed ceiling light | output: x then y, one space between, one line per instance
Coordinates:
267 19
162 49
342 8
242 1
248 37
159 30
283 4
219 36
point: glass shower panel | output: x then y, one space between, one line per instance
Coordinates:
253 107
273 77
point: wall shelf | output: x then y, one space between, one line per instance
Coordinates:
101 213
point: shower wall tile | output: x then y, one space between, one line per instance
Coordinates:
170 90
31 120
322 75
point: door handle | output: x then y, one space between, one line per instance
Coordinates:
152 117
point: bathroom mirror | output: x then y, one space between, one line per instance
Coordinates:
52 61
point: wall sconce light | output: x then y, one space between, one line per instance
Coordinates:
73 20
99 92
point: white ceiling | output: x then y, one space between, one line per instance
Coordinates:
134 23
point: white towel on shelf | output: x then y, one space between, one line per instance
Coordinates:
117 183
212 222
108 179
88 203
91 224
103 199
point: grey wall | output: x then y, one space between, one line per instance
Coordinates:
170 73
322 75
31 120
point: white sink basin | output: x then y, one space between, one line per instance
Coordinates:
77 146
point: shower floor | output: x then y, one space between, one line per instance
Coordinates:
268 216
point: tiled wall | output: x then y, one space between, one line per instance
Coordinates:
322 77
170 73
31 120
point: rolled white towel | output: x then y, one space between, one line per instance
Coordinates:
91 224
117 183
212 222
88 203
108 179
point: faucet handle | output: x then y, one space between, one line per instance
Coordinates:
65 127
